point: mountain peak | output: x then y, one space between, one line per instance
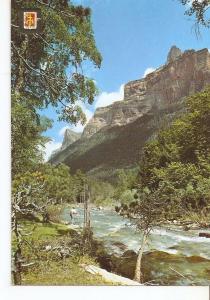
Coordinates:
70 137
173 54
115 136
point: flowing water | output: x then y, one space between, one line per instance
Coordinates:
173 256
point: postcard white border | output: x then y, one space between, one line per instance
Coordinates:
53 293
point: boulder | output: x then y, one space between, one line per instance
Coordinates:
204 234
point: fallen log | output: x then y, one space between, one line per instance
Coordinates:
109 276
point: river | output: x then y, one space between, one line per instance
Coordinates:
174 256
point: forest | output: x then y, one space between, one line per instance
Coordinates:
173 176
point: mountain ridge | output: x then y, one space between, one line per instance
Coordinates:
116 134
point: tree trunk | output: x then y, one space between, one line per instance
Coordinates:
18 267
138 274
17 271
20 77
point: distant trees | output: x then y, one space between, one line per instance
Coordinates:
102 193
58 185
125 180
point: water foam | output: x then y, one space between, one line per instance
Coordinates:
178 237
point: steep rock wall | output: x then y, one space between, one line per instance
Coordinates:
116 134
184 75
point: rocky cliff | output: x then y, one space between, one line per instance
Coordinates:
115 135
69 138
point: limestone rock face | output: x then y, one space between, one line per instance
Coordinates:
69 138
173 54
184 74
118 114
115 135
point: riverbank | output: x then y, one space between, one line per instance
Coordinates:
56 255
47 261
191 221
172 256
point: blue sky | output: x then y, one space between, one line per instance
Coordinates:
132 36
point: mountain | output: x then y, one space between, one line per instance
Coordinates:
69 138
114 137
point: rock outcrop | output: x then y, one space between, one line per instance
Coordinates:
69 138
115 135
173 54
183 75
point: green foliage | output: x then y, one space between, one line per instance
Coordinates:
198 9
102 193
66 273
41 61
28 196
80 179
27 127
127 196
53 184
47 268
59 184
125 183
176 165
47 70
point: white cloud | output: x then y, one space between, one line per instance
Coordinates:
49 148
148 71
78 128
105 99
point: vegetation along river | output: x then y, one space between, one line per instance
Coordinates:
172 256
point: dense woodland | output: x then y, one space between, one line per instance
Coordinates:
174 174
39 80
176 165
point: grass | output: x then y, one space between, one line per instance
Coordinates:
65 272
48 269
41 230
203 221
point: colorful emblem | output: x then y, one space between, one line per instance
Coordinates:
30 20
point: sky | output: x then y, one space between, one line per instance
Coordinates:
134 38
